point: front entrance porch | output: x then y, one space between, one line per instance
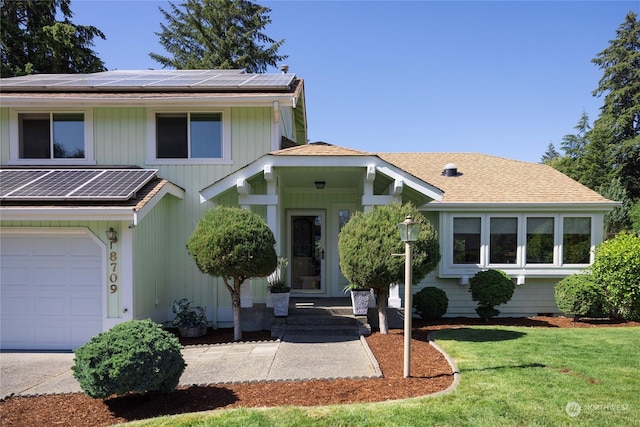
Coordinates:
320 317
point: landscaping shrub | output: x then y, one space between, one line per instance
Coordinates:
133 356
616 268
430 302
490 288
579 295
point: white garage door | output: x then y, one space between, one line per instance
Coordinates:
50 288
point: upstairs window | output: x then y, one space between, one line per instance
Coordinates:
189 137
51 136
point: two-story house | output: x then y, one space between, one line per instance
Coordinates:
104 177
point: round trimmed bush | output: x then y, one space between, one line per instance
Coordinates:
490 288
616 267
134 356
579 295
430 303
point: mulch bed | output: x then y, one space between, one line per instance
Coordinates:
430 373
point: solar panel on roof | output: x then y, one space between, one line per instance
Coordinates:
170 79
12 180
73 184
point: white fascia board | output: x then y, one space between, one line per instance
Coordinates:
231 180
147 101
270 161
67 214
519 207
168 188
410 181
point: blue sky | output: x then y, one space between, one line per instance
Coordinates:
504 78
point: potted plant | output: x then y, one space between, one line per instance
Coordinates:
279 289
359 299
190 321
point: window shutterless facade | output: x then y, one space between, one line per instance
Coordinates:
51 137
189 137
523 242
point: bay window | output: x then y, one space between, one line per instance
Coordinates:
536 242
466 240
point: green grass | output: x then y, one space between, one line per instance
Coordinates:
511 376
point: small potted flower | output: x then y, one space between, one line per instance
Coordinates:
190 321
279 289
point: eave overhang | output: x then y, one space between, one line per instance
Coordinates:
283 161
97 212
520 207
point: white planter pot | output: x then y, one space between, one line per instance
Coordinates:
280 304
360 302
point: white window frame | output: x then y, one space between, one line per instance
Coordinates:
555 269
14 138
226 137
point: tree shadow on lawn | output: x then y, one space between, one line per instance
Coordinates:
182 400
481 335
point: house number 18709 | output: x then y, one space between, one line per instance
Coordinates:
113 277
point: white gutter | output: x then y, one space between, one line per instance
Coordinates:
266 100
518 207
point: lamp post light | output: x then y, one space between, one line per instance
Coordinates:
409 230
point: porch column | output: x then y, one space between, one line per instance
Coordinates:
367 190
394 296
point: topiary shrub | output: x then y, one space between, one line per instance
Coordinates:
579 295
490 288
134 356
616 268
430 303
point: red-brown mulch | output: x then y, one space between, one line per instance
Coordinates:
430 373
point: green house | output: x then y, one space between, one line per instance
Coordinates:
104 176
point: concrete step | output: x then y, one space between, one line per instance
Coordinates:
320 320
321 330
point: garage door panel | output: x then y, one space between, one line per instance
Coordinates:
83 248
50 305
15 305
84 306
48 246
85 276
50 276
52 290
15 246
53 334
13 275
17 336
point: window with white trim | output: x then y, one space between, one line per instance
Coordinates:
518 241
51 137
189 137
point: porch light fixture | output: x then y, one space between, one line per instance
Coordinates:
112 235
320 185
409 230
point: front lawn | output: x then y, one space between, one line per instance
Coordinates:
510 376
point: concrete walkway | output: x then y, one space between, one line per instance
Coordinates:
292 358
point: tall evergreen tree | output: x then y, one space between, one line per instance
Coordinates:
619 121
33 41
550 155
223 34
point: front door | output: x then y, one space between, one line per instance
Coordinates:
306 251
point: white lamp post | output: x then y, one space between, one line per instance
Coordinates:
409 230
